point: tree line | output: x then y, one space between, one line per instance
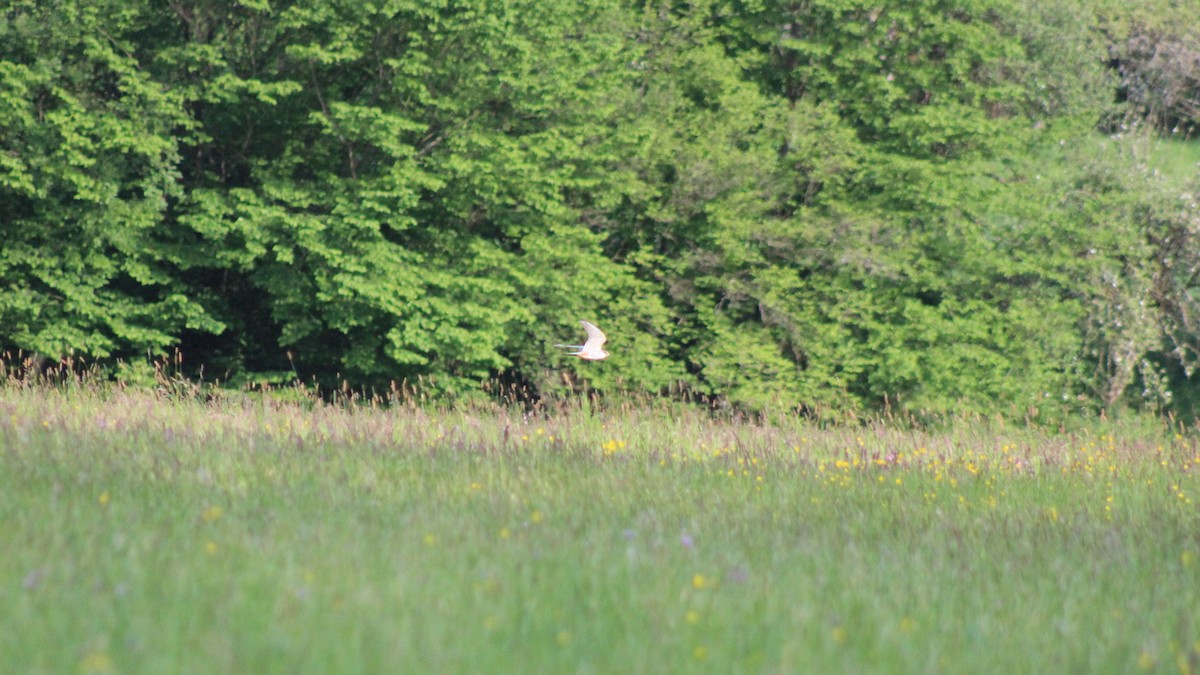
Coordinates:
834 205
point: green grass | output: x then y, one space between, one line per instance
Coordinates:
145 534
1177 160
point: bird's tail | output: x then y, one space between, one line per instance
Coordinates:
571 346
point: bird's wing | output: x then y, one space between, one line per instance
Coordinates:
595 336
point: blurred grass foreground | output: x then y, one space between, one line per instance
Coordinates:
153 531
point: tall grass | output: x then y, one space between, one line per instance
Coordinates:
165 531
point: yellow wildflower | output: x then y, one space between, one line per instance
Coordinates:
96 662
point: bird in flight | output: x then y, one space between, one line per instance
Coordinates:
590 350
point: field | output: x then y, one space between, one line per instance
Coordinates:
148 532
1178 160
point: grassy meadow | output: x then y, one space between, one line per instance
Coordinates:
157 532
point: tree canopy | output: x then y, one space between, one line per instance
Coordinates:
831 205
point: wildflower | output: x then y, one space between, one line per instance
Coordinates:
535 517
211 514
103 498
692 617
33 578
210 547
700 653
563 638
700 582
505 533
96 662
838 634
686 541
430 540
907 625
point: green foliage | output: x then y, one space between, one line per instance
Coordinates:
413 202
90 163
1065 74
832 206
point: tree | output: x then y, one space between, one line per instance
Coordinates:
87 168
392 192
